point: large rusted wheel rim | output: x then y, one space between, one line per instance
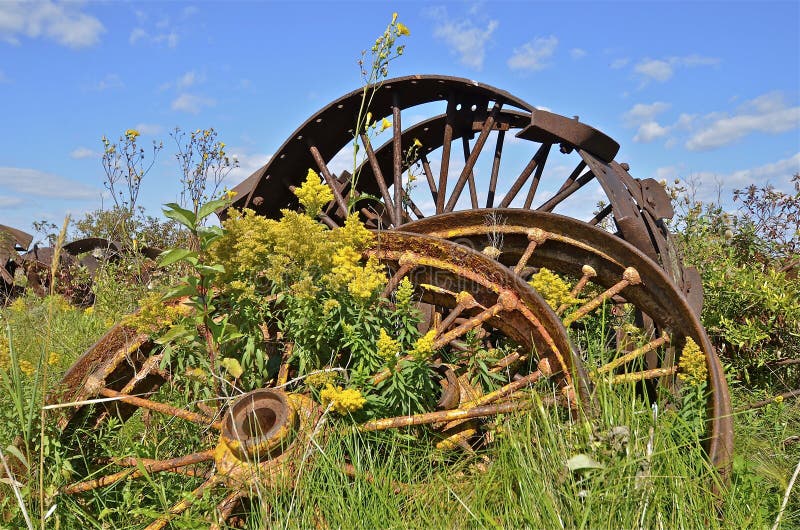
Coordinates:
259 437
514 155
525 241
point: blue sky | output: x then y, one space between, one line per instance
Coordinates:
692 90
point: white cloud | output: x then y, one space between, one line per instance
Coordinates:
80 153
643 116
187 80
577 53
108 82
532 55
43 184
192 103
149 129
650 131
65 23
622 62
767 113
707 184
248 164
655 69
464 38
642 112
10 202
160 35
662 70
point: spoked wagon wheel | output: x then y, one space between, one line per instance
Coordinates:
550 164
526 241
257 439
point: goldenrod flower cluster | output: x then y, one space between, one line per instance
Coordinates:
424 347
388 348
404 294
153 314
330 305
53 359
26 367
313 194
321 379
18 306
553 288
342 401
131 134
361 281
692 364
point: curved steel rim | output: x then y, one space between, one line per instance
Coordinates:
611 250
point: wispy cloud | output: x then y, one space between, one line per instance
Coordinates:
622 62
577 53
80 153
706 184
767 113
532 56
108 82
465 39
187 80
642 116
42 184
159 33
662 70
149 129
192 103
62 22
10 202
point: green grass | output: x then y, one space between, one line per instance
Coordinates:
648 469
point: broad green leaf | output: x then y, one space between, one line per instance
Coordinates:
174 333
582 461
181 215
210 207
168 257
179 291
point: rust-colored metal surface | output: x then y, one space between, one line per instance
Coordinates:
471 114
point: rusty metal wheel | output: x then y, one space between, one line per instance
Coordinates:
526 241
258 438
434 119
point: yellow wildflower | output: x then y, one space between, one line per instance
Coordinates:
53 359
394 17
89 311
402 29
424 349
26 367
367 279
342 401
553 288
417 143
330 305
305 289
778 399
345 266
388 348
230 194
18 306
5 353
404 293
321 379
353 234
692 364
313 194
385 124
131 134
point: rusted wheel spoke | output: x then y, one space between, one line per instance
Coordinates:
447 415
498 153
376 170
630 277
143 466
634 354
632 377
162 408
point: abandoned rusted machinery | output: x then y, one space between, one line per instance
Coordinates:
490 241
78 262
